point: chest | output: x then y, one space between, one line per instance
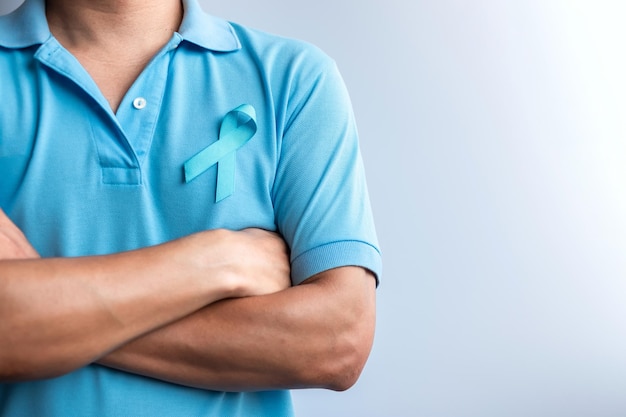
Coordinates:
68 163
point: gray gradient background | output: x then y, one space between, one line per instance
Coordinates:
493 136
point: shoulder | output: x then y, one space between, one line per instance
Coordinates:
25 26
280 53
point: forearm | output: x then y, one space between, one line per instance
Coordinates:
317 334
58 314
78 309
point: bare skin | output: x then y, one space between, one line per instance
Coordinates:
13 243
317 334
93 30
82 308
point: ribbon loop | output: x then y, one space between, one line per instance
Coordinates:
237 128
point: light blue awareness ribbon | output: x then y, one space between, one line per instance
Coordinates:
238 127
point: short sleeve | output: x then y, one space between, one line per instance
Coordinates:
320 193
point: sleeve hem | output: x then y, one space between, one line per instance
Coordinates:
335 255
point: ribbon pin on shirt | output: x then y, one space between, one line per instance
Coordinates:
238 127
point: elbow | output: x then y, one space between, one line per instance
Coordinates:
346 333
344 379
341 363
343 371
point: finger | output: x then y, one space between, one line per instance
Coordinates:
13 243
3 217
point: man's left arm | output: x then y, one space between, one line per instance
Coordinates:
314 335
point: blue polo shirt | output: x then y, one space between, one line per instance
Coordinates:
81 180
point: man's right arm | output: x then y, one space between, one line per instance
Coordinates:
57 315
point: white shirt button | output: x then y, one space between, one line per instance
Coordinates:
139 103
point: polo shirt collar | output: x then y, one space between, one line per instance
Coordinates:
207 31
27 26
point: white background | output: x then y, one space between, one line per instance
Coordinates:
493 136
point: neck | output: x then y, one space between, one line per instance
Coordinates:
114 39
105 24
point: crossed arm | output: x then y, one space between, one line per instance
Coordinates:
191 312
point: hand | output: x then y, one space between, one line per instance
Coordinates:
252 261
13 243
266 254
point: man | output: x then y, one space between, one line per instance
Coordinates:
154 161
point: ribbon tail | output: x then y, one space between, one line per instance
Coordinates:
225 177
